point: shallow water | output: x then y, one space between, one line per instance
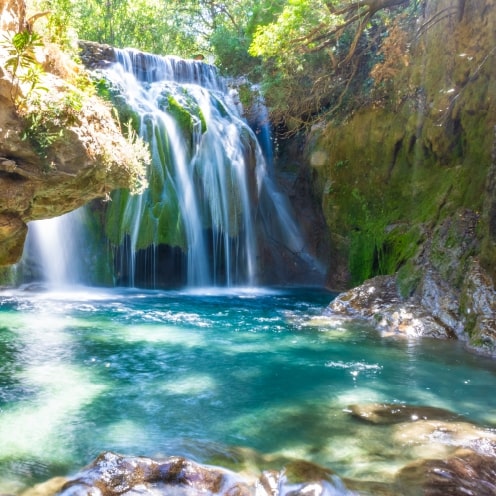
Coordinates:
236 377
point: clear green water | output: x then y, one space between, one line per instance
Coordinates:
215 376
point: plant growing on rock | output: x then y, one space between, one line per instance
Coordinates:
46 119
26 72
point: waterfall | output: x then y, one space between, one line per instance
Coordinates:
203 193
53 250
199 223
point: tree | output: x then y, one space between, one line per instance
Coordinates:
316 51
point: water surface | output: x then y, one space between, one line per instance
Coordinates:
214 375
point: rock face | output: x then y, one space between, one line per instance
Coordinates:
408 185
57 151
453 297
420 153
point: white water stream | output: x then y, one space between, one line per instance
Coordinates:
209 182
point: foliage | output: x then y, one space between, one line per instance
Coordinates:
47 118
22 64
394 52
320 53
310 56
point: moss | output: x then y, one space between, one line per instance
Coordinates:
388 186
182 116
408 278
8 276
186 112
106 90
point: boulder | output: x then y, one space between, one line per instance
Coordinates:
112 474
378 302
466 473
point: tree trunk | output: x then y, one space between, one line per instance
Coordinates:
376 5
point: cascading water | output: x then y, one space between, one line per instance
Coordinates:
53 250
203 190
211 203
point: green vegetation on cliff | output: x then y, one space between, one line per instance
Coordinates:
419 153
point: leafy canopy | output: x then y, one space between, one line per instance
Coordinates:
306 53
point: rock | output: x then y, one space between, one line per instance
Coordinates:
443 436
479 308
439 308
390 413
47 488
439 299
96 55
112 474
463 474
301 478
42 176
378 302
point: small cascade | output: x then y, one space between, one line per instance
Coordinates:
54 251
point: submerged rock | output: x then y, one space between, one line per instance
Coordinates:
444 436
390 413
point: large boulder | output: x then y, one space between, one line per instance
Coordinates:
112 474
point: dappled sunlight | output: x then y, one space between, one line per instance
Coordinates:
159 334
40 426
191 385
160 372
125 432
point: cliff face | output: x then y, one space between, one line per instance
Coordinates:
58 151
407 184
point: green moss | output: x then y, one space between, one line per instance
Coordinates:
182 116
408 278
7 276
386 185
186 112
106 90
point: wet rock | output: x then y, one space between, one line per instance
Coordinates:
379 303
466 473
301 478
455 434
479 308
437 309
112 474
440 301
390 413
